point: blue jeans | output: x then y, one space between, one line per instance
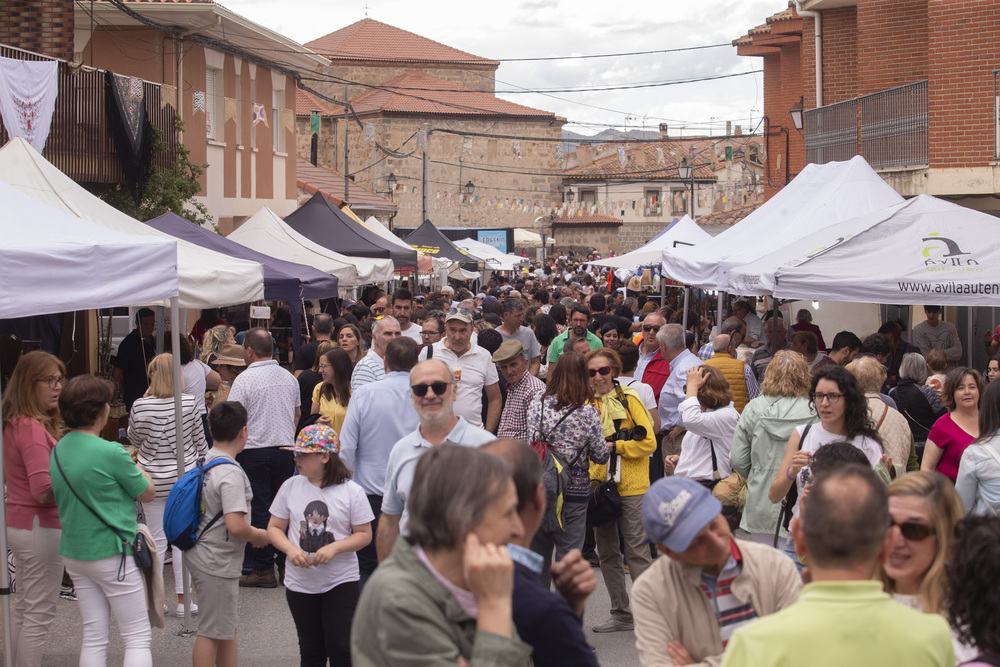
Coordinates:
267 469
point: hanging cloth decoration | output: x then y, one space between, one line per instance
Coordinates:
422 138
28 92
517 149
559 152
130 130
258 114
369 131
621 156
314 123
199 100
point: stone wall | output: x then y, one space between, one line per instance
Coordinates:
481 79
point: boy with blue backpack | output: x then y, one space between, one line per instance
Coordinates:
216 559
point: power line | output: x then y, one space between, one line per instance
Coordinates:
634 86
616 55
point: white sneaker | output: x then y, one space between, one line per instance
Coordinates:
180 610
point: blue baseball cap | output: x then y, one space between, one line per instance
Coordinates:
675 509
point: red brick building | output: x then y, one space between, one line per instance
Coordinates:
911 85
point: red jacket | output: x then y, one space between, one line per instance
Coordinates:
656 373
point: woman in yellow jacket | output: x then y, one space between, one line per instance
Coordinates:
628 429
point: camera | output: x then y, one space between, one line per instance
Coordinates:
634 433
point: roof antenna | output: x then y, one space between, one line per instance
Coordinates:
366 10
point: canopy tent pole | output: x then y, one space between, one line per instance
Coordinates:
8 654
175 343
720 298
687 299
774 307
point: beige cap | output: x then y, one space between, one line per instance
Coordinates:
508 350
230 355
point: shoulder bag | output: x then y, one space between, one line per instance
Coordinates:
142 548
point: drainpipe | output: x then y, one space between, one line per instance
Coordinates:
817 18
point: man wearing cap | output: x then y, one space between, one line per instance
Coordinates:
512 329
372 367
433 392
741 580
474 370
522 388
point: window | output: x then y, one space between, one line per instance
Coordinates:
253 100
214 103
678 202
651 202
277 131
588 196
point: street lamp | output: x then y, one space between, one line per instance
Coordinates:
390 184
686 171
469 188
569 196
796 113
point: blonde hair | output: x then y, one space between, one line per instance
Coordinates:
946 510
787 374
161 376
21 400
213 340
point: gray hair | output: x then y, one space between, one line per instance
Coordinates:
671 336
510 304
731 324
913 367
377 325
630 301
453 487
721 342
323 324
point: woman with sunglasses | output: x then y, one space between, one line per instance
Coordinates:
331 396
954 432
30 430
978 480
565 418
843 415
628 429
925 508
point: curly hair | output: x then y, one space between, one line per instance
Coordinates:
856 419
954 379
787 374
973 605
946 510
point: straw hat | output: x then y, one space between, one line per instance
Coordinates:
230 355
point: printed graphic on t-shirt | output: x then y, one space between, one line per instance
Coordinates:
313 534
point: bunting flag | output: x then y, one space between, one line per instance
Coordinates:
259 116
369 131
314 123
28 91
659 156
622 159
517 150
199 100
559 152
422 138
467 145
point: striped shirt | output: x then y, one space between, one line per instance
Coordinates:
730 612
371 368
151 431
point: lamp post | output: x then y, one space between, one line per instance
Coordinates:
469 188
686 171
796 113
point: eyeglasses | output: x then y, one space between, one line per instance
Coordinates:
53 380
430 333
437 387
603 370
832 398
323 366
650 328
914 532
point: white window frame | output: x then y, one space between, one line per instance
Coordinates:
214 104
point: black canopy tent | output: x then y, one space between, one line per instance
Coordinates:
323 223
429 240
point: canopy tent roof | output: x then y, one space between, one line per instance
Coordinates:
283 281
322 222
683 232
53 262
525 238
820 196
207 279
425 263
265 232
493 258
924 250
428 239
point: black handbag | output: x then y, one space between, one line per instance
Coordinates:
142 548
605 502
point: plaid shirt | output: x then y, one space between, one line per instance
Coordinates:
514 418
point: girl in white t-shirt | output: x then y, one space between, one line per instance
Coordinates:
320 519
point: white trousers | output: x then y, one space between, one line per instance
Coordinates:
39 575
154 520
98 590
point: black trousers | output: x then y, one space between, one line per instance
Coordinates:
368 557
323 623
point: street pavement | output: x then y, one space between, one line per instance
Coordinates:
267 635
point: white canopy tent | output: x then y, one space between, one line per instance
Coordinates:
683 232
524 238
820 196
52 262
265 232
921 251
207 279
493 258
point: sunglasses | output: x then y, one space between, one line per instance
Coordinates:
437 387
649 328
603 370
914 532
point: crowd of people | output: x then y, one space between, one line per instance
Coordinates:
436 479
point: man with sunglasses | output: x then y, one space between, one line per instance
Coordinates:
433 391
844 531
649 347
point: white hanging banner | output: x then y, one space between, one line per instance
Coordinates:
28 92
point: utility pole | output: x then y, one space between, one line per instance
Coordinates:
424 195
346 124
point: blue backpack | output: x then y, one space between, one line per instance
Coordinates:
185 506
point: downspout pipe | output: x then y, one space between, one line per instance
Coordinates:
817 18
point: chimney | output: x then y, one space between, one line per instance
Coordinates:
739 130
664 133
729 127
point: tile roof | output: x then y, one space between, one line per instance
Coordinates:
179 2
331 184
372 40
765 29
306 103
728 218
643 162
420 93
587 221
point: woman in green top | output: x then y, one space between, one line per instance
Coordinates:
104 477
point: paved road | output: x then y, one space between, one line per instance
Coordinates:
267 634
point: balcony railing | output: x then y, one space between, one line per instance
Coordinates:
79 142
887 128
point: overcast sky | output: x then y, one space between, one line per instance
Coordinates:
543 28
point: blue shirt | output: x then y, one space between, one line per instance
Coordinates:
673 389
379 415
403 462
644 360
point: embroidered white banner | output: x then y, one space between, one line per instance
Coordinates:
28 92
